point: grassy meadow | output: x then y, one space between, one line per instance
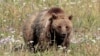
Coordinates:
86 21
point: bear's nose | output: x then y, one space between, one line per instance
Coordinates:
63 34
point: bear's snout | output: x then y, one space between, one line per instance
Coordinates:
63 35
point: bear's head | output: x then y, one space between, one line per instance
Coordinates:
60 22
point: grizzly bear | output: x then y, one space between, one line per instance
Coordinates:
47 27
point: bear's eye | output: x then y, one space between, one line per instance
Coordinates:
66 26
59 26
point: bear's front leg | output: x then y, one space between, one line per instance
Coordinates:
66 43
43 42
44 39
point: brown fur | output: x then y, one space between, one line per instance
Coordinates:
46 26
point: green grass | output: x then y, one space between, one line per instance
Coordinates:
86 20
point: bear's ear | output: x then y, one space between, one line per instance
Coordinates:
70 17
54 16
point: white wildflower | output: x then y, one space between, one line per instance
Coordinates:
73 40
94 41
19 19
68 51
2 34
4 20
40 5
98 29
90 6
5 40
43 0
72 3
61 47
8 36
64 47
13 31
67 3
94 1
14 0
6 53
18 41
98 38
79 2
24 4
79 35
45 7
31 41
86 36
12 40
83 6
10 29
12 36
79 40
